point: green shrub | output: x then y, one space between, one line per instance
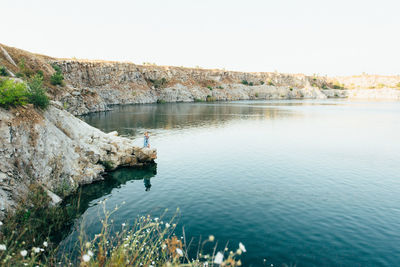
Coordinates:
159 83
198 100
338 86
324 87
19 75
245 82
161 101
220 87
3 71
271 83
12 93
261 82
256 95
291 89
56 68
37 94
210 98
57 78
40 72
251 83
108 165
209 87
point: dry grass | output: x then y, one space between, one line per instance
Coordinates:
148 242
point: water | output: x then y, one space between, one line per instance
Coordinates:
306 183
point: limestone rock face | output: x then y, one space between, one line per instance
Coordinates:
95 86
57 150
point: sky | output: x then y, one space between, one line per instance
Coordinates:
323 37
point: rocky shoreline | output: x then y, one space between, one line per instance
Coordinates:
55 149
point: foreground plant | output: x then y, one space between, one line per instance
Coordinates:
148 242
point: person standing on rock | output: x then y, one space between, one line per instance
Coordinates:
146 139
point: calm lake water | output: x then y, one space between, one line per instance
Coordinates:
306 183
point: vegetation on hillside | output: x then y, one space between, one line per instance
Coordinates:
37 93
158 83
14 93
57 78
3 71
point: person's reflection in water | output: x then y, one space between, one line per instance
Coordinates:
147 184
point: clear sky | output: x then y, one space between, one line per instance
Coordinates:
338 37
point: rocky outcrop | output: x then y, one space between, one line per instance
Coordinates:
95 86
58 151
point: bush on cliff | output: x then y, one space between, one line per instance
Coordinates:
159 83
3 71
37 94
57 78
12 93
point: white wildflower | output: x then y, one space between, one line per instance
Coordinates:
36 250
45 243
90 253
24 253
86 258
123 225
163 246
1 223
167 225
239 251
3 247
156 219
242 247
211 238
219 258
179 251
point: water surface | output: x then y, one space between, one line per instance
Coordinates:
307 183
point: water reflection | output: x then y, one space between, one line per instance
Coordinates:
131 119
75 205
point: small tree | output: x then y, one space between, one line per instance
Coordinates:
37 94
57 78
12 93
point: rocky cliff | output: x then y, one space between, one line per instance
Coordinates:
92 86
58 151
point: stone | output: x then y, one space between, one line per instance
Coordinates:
54 199
58 150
